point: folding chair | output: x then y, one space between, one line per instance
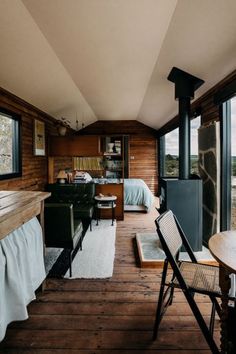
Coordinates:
190 276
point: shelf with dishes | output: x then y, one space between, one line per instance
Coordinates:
113 167
112 149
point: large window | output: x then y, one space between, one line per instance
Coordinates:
171 153
170 150
233 162
228 165
194 125
10 158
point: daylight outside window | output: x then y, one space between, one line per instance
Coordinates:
194 125
171 165
10 164
233 162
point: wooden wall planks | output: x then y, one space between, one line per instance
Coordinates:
142 140
142 149
143 159
34 168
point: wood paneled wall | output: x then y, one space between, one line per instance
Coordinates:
142 147
143 150
34 168
143 159
210 110
61 163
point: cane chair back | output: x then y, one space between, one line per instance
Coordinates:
190 276
169 229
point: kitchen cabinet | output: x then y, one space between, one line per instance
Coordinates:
80 145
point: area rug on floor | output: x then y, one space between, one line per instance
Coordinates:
51 256
97 256
152 255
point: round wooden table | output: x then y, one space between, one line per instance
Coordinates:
223 248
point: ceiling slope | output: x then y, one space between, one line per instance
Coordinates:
201 40
108 47
30 69
109 59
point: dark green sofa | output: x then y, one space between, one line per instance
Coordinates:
81 195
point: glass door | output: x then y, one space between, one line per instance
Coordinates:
228 165
233 162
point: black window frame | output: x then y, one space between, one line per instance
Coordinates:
161 141
17 158
222 99
162 154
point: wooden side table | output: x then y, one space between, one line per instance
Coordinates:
223 248
105 202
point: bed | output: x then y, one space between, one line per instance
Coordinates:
137 195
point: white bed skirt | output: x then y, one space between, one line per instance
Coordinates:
22 271
135 208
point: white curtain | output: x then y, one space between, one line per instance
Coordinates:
22 271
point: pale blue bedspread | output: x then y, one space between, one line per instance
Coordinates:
137 193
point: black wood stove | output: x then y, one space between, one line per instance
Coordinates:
184 195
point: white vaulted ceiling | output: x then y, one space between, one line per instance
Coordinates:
109 59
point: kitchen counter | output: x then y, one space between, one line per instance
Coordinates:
107 180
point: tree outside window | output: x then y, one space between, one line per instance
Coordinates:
10 159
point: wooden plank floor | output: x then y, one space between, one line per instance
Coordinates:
113 316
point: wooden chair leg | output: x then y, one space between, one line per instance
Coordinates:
202 324
171 296
70 260
160 302
212 320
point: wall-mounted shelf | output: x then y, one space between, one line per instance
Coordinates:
115 153
111 154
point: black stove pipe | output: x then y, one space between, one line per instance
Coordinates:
184 138
185 85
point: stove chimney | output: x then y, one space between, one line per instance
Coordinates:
185 85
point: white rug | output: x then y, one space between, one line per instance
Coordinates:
51 255
97 257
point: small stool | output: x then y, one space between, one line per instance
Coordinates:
105 202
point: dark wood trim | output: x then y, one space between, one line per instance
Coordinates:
174 123
117 127
25 104
202 104
226 93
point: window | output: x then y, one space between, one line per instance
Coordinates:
169 150
226 99
233 162
10 152
194 125
171 153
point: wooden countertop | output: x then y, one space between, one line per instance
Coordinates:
17 207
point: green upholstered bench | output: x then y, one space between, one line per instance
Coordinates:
81 195
62 230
